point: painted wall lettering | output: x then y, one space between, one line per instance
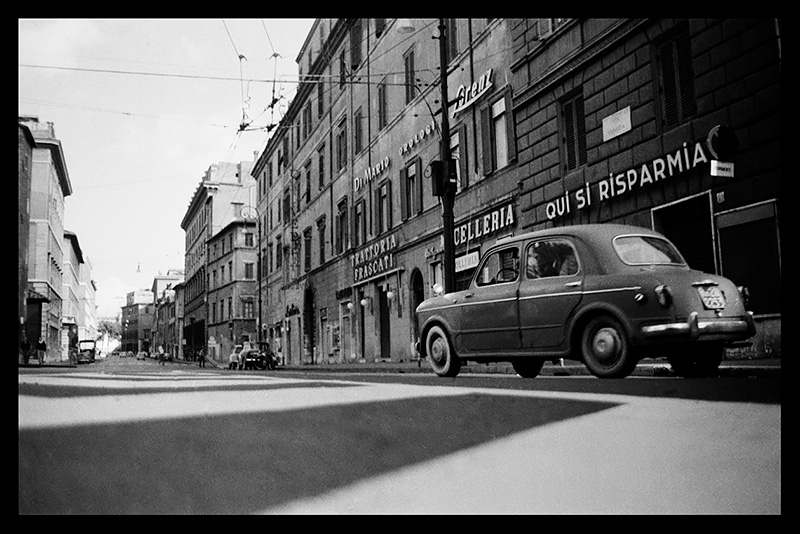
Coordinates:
683 160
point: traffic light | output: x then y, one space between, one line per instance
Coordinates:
443 177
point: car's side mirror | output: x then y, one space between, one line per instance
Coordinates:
438 288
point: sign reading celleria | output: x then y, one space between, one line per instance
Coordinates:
661 168
374 259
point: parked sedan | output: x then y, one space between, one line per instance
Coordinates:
604 294
254 359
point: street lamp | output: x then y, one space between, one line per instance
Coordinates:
444 171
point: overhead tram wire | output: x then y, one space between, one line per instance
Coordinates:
244 124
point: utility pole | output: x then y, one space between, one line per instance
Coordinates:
448 192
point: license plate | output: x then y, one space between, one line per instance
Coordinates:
712 297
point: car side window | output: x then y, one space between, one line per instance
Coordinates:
550 257
499 267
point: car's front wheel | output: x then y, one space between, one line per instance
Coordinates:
528 367
605 349
697 361
444 361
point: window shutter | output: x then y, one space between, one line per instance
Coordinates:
486 140
511 141
580 131
405 202
463 166
389 209
418 165
569 135
668 88
685 77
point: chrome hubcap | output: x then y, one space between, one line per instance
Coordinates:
606 344
438 350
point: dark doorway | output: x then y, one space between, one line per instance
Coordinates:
688 225
383 312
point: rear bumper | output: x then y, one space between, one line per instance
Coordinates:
694 328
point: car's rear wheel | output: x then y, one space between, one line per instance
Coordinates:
444 361
605 349
697 361
528 367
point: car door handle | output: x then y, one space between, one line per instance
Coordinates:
468 295
573 284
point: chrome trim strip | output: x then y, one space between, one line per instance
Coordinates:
695 328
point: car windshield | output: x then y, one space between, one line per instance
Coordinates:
646 250
85 345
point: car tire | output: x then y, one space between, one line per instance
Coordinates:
528 367
605 349
697 361
444 361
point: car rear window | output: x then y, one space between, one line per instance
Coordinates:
646 250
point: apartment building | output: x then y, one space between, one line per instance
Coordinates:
225 189
50 185
353 238
232 298
661 123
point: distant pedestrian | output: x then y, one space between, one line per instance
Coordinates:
202 357
241 359
41 350
233 360
161 356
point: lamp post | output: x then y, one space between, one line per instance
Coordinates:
448 167
443 171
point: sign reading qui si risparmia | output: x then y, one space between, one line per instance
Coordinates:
683 160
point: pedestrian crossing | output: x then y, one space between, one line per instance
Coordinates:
194 442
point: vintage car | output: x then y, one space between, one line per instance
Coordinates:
87 351
254 359
604 294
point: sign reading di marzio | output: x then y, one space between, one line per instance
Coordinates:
374 259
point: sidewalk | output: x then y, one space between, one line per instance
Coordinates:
647 367
759 368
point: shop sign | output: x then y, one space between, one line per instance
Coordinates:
374 259
418 137
466 96
661 168
494 221
372 173
721 168
467 261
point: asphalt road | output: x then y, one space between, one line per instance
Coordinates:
139 438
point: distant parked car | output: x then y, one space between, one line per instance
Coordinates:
141 355
255 359
87 351
604 294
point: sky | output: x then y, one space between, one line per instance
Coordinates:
143 107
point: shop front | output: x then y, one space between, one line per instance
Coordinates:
702 207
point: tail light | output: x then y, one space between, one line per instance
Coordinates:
664 296
744 293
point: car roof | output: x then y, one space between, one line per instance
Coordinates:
591 232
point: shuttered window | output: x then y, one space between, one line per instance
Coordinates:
497 134
573 133
675 80
411 189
